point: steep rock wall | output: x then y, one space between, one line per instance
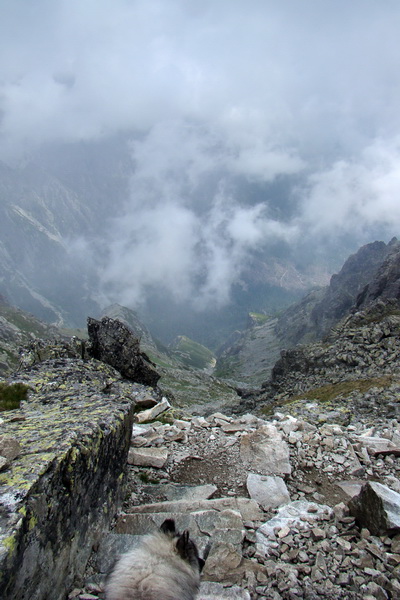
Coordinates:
63 489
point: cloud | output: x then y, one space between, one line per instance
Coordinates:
185 229
296 75
356 195
222 101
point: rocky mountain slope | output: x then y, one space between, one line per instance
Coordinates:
18 329
370 273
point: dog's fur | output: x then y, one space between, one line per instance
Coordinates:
165 567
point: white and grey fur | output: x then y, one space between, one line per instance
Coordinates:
166 566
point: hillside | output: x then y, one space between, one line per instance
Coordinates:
369 274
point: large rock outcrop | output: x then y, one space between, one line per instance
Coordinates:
113 343
63 488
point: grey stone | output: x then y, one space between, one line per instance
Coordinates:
151 413
148 457
377 507
112 342
9 447
268 490
216 591
4 463
224 558
265 451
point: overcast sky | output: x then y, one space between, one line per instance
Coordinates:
215 91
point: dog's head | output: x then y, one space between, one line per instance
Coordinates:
185 546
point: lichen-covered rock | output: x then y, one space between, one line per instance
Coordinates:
64 487
113 343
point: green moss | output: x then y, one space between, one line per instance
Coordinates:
11 395
332 391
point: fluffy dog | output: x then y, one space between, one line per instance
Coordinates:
166 566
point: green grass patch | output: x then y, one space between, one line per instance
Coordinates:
259 318
332 391
192 354
11 395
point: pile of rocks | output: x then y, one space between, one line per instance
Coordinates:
292 509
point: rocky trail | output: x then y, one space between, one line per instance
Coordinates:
292 509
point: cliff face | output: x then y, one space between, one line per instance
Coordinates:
64 486
370 274
312 318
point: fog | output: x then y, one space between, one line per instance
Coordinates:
222 100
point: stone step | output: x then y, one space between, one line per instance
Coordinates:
248 509
217 524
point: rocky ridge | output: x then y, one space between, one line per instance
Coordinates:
368 275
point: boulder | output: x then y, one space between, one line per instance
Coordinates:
62 490
113 343
377 508
268 491
265 451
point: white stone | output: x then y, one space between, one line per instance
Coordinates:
148 457
265 451
300 514
152 413
269 491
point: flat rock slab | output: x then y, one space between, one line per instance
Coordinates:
148 457
377 507
265 451
248 508
173 491
375 445
267 490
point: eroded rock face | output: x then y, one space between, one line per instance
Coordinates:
63 487
113 343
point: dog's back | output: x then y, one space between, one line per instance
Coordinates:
166 567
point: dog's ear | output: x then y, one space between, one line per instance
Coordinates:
168 527
184 545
